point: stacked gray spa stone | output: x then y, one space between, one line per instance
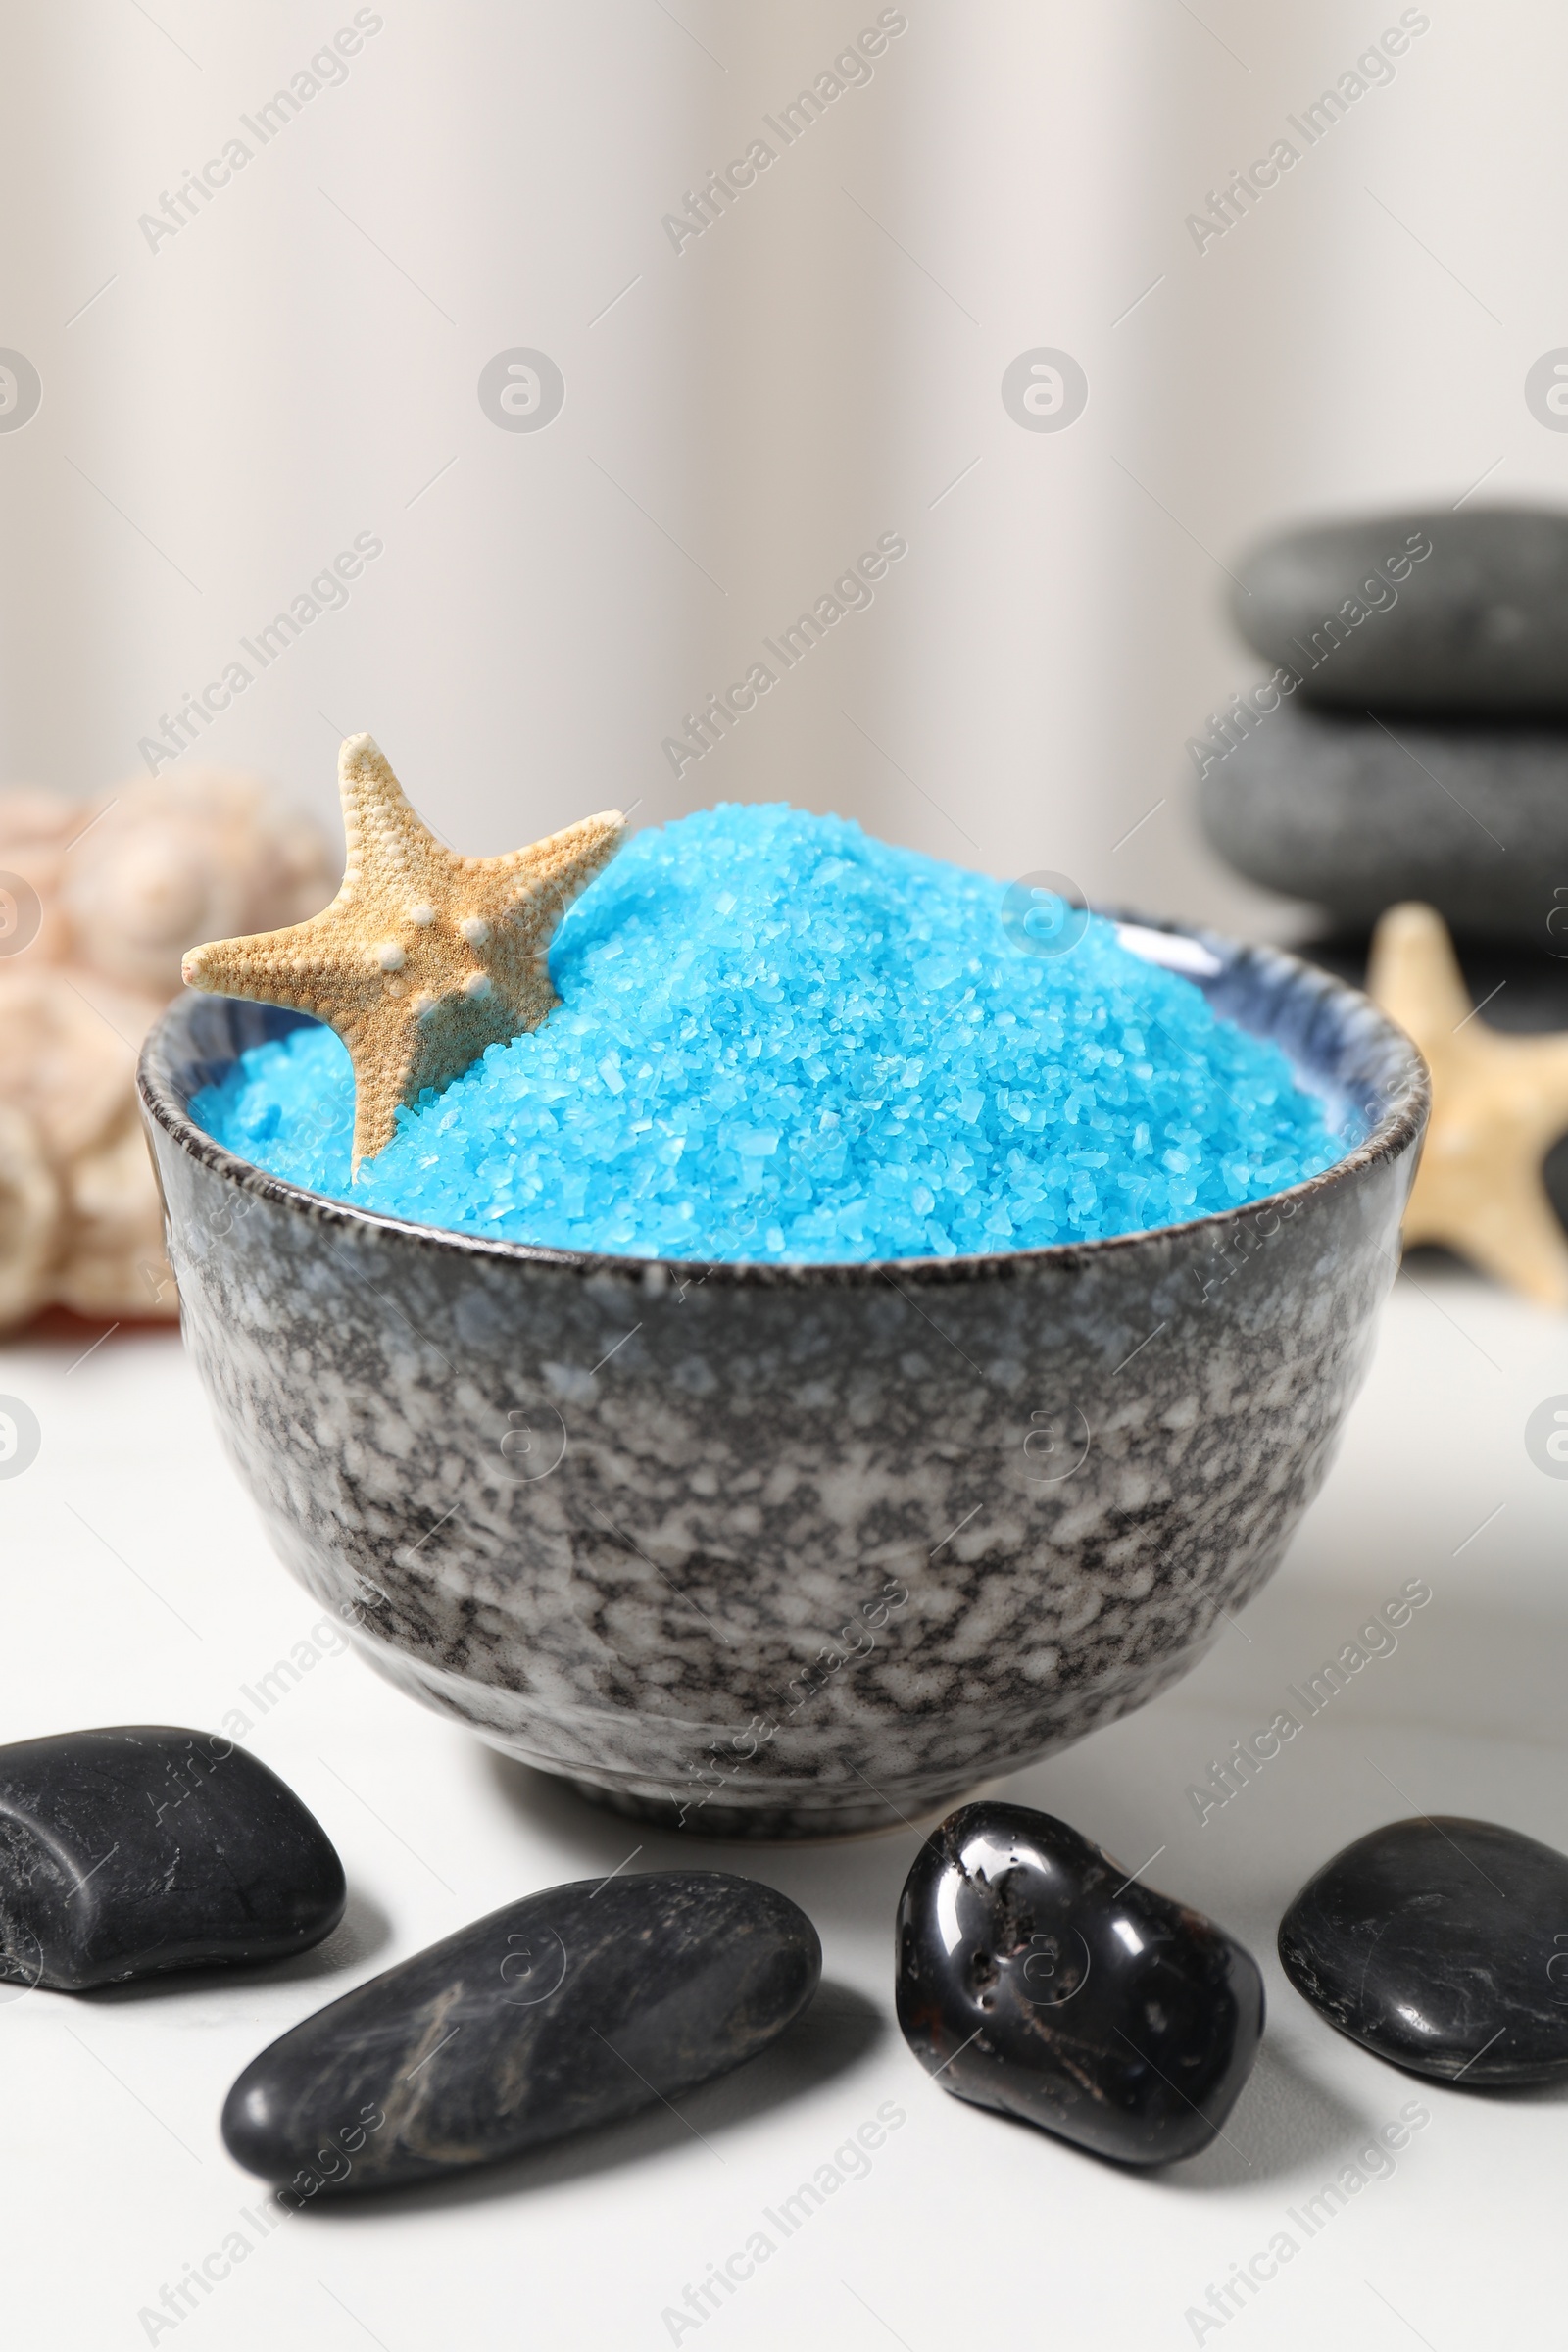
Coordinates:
1409 740
1412 739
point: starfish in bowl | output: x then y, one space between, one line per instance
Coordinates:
423 958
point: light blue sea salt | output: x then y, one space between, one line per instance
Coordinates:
781 1038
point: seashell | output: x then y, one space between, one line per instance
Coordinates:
121 883
29 1220
113 1261
37 828
187 856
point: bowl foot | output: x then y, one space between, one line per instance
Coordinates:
819 1817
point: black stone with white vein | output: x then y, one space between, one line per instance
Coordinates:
1440 1944
571 2007
1034 1977
140 1848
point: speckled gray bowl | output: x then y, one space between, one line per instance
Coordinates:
781 1551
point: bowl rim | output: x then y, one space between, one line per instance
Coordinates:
1406 1085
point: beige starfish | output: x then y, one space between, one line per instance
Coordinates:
423 958
1499 1105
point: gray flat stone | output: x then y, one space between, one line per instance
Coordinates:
1343 813
1478 625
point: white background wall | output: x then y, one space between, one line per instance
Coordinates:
300 362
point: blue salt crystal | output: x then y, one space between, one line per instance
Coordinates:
782 1039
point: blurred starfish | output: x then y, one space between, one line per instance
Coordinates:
423 958
1499 1105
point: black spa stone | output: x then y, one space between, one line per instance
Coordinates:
1442 1946
571 2007
1428 611
1036 1978
129 1851
1355 815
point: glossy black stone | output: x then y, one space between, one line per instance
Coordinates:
571 2007
1041 1981
128 1851
1442 1946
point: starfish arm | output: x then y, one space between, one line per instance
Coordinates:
398 1053
529 899
1414 974
543 880
383 1042
1499 1101
1507 1227
381 828
1537 1067
453 1034
268 968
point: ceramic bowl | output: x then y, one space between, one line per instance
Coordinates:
781 1551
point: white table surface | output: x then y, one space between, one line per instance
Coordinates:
138 1588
